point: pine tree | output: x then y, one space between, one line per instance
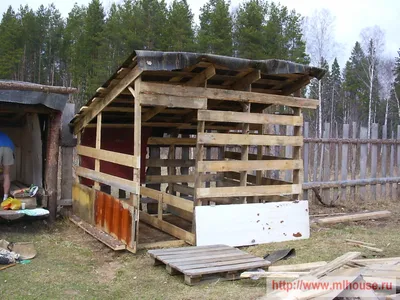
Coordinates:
180 27
250 29
396 85
215 33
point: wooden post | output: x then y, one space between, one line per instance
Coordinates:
326 164
363 161
51 170
289 154
208 157
345 148
78 142
306 150
336 169
353 160
185 156
384 161
374 158
391 170
297 174
98 146
172 169
245 150
259 174
198 175
135 197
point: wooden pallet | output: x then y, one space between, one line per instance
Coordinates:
206 263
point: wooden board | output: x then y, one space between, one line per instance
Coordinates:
248 139
252 224
98 234
205 263
110 156
173 101
237 165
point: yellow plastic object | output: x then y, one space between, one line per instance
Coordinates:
6 204
15 204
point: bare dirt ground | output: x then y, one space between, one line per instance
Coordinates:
72 265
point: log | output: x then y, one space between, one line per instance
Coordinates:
354 217
27 86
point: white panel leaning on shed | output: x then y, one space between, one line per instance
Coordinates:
252 224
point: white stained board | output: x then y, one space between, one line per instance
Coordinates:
252 223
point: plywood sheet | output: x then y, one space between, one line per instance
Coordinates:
252 224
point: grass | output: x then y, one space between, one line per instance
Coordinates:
72 265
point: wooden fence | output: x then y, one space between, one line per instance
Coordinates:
348 165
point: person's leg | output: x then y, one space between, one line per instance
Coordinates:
7 182
7 161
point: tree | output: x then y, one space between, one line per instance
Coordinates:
396 85
320 44
180 27
250 29
215 33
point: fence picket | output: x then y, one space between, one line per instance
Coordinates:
326 167
374 158
391 169
345 148
384 161
306 158
363 161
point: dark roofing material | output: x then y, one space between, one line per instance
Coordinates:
50 100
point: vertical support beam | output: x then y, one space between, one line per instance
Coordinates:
384 161
363 161
51 170
289 154
298 176
198 179
171 170
374 158
154 153
345 149
259 173
160 207
306 157
135 198
78 142
208 157
245 150
185 156
66 170
98 146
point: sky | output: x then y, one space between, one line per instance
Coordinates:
351 17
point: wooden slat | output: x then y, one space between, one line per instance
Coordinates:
345 148
374 158
363 161
178 178
185 249
353 160
237 165
177 257
203 265
237 156
241 139
326 164
181 203
98 146
239 191
228 95
183 189
253 179
156 141
98 106
170 163
306 154
384 161
174 101
392 193
251 118
110 156
168 228
120 183
227 268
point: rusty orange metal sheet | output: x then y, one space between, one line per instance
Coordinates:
112 215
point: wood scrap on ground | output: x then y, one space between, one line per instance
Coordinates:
353 217
7 266
361 244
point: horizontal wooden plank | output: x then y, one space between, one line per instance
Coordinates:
178 178
154 253
167 227
247 139
228 268
161 244
170 162
238 156
183 189
253 179
249 118
167 257
169 199
243 191
110 156
202 264
238 165
173 101
227 95
111 180
155 141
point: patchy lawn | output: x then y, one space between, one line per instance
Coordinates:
72 265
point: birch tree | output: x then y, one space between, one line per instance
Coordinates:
320 45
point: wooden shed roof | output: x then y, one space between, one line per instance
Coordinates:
269 76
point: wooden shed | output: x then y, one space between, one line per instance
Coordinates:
175 147
30 114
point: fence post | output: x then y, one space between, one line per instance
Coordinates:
384 161
391 169
353 160
326 164
305 158
363 160
374 158
345 148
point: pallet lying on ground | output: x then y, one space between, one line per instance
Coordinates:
206 263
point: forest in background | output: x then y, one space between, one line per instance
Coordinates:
85 48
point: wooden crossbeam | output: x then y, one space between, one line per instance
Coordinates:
202 77
96 107
253 165
151 113
244 82
227 95
172 200
110 156
241 139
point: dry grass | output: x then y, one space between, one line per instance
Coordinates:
72 265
